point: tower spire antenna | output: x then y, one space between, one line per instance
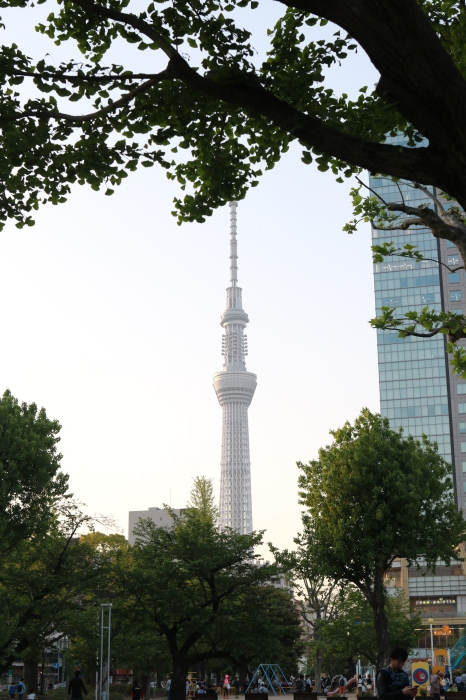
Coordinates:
233 246
235 387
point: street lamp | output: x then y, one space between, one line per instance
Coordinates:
430 621
105 696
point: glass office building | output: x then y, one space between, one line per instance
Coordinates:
418 390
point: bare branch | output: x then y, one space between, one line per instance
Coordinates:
371 190
427 192
401 193
67 77
79 119
406 223
421 335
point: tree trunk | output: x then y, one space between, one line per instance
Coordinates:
318 661
178 686
145 684
377 603
243 670
30 673
350 670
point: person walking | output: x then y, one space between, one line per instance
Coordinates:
226 686
76 687
237 684
21 689
168 685
435 685
12 690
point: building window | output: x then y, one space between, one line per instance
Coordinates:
462 427
461 388
464 486
450 244
455 295
427 298
453 259
454 277
463 464
463 447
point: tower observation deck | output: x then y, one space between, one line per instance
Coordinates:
235 387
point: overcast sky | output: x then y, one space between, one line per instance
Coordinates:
111 322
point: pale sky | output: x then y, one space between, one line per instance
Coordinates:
111 322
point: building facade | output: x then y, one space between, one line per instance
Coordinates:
235 387
160 516
418 390
417 387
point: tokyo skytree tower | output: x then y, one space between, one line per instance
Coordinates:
235 387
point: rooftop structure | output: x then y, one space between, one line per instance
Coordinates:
160 516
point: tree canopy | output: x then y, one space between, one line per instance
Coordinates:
214 112
350 634
374 495
32 487
317 600
186 583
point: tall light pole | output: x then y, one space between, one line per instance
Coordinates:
108 606
430 621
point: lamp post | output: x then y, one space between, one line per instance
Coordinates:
430 621
102 695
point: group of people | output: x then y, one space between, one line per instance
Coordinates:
20 690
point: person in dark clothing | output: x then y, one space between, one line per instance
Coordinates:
392 681
76 687
136 691
300 684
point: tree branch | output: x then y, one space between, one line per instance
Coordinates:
406 223
407 163
377 194
67 77
130 19
79 119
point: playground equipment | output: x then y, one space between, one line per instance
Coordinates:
273 678
458 654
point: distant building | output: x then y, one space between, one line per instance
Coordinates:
235 387
159 516
417 387
419 392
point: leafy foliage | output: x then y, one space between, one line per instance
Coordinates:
213 112
374 495
43 583
202 499
317 597
351 633
446 221
31 484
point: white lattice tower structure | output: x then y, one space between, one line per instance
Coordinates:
235 387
